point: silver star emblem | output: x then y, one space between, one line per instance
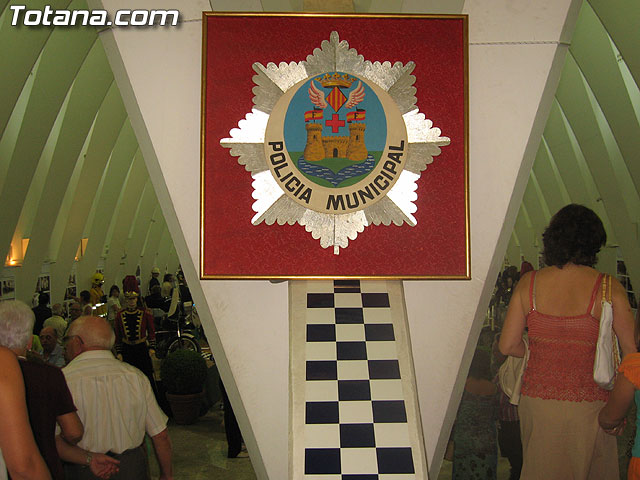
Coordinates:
279 187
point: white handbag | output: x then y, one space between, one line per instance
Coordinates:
510 374
607 357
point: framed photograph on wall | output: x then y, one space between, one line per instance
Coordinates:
43 285
8 288
334 146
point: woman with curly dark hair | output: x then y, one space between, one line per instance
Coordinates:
560 305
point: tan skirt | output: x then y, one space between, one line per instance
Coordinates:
562 441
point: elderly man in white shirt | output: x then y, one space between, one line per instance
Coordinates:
115 403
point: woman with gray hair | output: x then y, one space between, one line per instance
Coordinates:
16 324
49 400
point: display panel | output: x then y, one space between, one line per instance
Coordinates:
334 146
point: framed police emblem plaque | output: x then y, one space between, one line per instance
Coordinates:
334 146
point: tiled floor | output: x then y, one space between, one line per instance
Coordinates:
355 416
200 452
503 469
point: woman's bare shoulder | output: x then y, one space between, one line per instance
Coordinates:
9 369
522 287
7 357
569 272
528 276
617 287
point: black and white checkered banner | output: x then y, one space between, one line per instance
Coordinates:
354 407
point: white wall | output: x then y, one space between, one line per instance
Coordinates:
514 64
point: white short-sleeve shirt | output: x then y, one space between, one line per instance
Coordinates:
114 401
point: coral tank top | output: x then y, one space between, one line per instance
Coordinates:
561 353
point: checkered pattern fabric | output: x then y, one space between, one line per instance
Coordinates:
355 417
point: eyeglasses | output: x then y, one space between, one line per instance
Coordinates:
68 338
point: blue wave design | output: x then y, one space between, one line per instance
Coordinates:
336 178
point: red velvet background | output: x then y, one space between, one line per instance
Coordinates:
435 247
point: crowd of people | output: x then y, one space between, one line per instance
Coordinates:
71 408
88 419
564 425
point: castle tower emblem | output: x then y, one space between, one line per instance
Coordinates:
353 146
337 147
330 149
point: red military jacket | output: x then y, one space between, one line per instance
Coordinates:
134 327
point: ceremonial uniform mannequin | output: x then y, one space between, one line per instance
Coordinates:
135 332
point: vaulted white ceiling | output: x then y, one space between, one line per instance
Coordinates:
71 168
590 150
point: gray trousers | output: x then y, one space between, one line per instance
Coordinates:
134 465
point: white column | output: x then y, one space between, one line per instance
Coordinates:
515 59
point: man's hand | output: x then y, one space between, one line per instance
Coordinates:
119 357
103 466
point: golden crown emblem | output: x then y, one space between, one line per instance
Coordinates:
336 80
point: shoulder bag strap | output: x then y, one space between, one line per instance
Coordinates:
601 281
532 291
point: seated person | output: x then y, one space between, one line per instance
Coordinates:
57 321
52 351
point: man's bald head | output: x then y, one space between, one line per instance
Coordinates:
96 333
49 331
